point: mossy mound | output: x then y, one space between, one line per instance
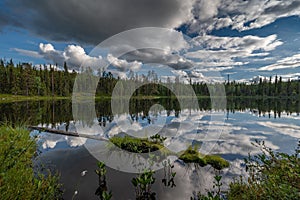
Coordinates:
191 155
155 143
216 162
136 145
193 159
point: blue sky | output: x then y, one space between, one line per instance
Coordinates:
241 38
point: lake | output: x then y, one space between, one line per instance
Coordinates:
226 132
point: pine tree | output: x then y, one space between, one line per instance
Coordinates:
28 79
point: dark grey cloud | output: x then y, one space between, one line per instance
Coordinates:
6 19
92 21
151 56
3 20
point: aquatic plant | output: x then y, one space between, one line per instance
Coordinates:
212 195
169 174
101 171
143 184
102 190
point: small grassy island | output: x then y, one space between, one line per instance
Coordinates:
192 155
137 145
155 143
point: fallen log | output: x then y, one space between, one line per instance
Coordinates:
67 133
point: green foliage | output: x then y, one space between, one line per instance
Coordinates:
136 145
106 195
25 79
169 175
212 195
101 171
17 177
192 155
143 184
272 175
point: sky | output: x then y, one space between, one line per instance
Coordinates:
239 38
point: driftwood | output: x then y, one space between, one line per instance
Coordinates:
67 133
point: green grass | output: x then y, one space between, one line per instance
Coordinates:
18 180
6 98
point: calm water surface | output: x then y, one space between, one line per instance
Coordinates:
244 121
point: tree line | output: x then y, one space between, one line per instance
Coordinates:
25 79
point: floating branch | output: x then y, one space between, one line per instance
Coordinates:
68 133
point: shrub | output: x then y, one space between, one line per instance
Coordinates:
17 177
272 175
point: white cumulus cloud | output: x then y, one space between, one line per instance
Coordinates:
239 14
223 51
123 65
285 63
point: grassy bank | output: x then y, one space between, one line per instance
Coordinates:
18 180
6 98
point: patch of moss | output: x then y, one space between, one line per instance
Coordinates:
216 162
192 158
136 145
191 155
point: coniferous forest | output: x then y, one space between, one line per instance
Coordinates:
25 79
